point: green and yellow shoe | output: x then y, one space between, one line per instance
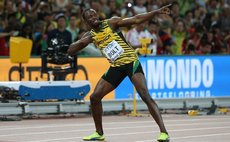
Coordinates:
94 137
163 137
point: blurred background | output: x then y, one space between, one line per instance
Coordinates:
197 27
189 49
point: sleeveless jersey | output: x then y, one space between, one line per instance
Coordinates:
113 45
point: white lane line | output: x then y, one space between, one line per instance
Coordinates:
20 127
124 134
112 128
196 136
7 141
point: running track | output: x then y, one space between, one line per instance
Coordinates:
120 128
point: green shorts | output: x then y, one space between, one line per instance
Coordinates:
115 75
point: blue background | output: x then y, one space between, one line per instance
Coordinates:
219 88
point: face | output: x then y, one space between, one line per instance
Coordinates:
153 28
180 26
92 18
210 36
9 5
73 20
141 27
27 29
189 15
61 22
175 9
207 49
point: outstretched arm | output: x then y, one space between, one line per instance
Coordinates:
80 44
140 18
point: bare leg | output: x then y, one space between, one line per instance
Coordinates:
139 82
102 89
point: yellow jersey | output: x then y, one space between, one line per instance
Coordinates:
113 45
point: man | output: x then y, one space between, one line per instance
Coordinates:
134 35
73 28
59 35
124 62
141 31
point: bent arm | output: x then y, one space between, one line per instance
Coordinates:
140 18
80 44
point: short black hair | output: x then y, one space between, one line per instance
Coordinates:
84 11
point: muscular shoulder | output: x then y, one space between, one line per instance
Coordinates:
86 34
87 37
113 22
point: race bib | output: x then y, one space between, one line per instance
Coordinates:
113 51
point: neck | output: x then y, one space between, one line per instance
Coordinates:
97 27
72 27
61 29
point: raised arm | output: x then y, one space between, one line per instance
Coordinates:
80 44
140 18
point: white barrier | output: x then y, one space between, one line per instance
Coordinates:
25 108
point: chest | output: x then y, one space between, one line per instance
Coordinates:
104 37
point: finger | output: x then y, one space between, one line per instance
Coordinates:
168 5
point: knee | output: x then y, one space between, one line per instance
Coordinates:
95 98
147 99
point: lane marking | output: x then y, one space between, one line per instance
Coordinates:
196 136
20 127
112 128
124 134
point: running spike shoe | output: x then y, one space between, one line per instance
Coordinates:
94 137
163 137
